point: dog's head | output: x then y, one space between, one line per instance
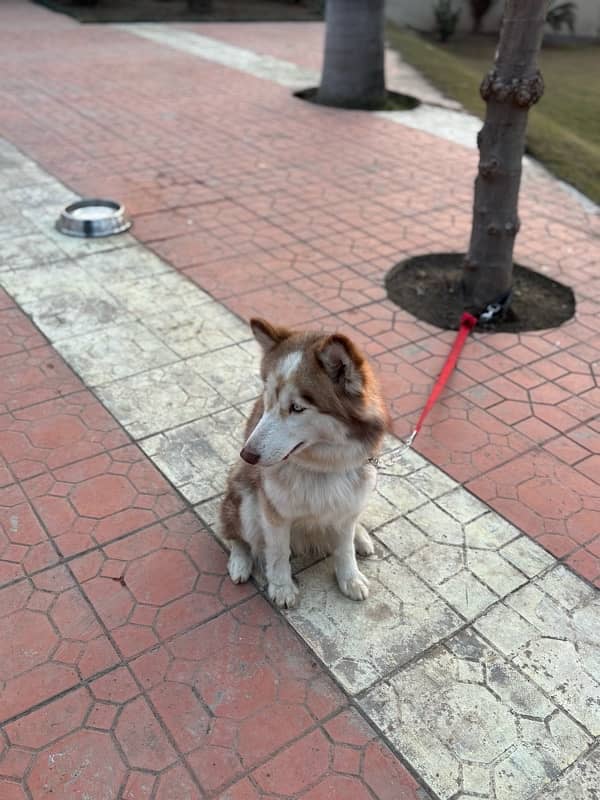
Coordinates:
319 394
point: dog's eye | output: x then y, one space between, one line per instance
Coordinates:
296 409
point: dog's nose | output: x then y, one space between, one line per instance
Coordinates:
249 456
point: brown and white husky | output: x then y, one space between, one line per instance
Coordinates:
306 472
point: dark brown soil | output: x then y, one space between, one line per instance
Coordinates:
183 11
393 102
429 287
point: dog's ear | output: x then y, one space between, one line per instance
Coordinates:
268 336
342 362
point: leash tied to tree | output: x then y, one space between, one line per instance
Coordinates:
467 323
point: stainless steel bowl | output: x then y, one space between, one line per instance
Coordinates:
91 218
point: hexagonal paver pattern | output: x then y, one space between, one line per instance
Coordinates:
24 544
194 330
196 457
66 743
480 443
5 474
68 762
468 721
341 760
17 333
115 352
581 781
143 742
161 398
65 749
56 433
441 561
363 643
158 582
30 378
187 686
63 300
241 237
548 629
160 577
256 681
15 631
50 640
101 498
555 502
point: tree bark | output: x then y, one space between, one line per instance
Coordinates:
353 67
512 86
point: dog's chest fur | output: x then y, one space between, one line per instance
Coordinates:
298 493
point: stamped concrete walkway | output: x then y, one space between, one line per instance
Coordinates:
130 667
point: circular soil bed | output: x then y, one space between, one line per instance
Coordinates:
429 287
394 101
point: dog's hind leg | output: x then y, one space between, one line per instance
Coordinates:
240 562
363 544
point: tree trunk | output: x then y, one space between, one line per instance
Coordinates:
510 89
353 68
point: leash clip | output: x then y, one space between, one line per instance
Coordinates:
494 309
395 455
490 312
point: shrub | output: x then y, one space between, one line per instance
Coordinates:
446 19
562 14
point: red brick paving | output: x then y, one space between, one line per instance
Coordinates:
15 335
25 546
32 377
225 700
557 504
55 433
157 582
100 499
50 639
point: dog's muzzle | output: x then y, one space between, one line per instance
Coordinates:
249 457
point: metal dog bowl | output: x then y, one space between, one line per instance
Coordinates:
91 218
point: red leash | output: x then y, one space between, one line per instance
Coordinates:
467 323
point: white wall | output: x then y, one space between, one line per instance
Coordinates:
419 14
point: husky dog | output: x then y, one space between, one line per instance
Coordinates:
306 472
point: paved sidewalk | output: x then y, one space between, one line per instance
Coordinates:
272 204
130 666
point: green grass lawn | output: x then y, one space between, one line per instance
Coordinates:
564 128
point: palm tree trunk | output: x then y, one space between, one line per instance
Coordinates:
510 89
353 68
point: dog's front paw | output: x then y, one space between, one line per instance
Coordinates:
283 595
239 565
356 587
363 544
